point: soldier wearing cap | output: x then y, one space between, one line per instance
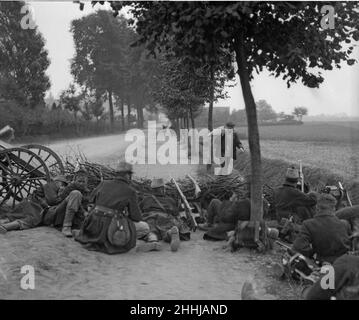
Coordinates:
162 214
30 212
324 235
118 194
290 201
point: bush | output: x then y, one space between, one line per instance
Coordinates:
44 122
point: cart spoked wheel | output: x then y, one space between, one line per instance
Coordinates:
51 159
21 172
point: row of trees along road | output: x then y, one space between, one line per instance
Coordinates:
108 66
283 37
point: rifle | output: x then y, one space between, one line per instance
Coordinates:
189 214
301 176
345 193
197 190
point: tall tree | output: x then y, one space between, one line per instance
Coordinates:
99 60
265 111
299 112
23 58
284 37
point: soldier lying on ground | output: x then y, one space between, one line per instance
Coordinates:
223 216
290 201
113 196
162 214
69 210
324 235
29 212
346 282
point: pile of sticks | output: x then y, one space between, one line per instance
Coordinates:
211 186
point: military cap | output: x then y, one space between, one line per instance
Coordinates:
326 200
60 178
230 125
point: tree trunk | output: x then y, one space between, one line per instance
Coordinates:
192 117
77 129
210 114
123 114
253 132
128 112
140 116
112 118
177 127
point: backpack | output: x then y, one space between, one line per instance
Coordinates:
107 230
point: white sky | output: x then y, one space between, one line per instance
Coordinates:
338 94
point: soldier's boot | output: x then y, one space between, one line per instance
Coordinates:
10 226
173 234
149 243
67 225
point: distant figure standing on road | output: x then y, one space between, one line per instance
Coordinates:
236 142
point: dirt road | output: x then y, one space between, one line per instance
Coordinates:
64 270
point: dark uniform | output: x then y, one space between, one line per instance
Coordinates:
350 214
29 212
117 194
226 214
289 201
71 198
236 144
163 204
109 198
346 281
162 213
325 235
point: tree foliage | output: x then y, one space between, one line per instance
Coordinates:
106 62
265 111
70 100
23 58
299 112
182 89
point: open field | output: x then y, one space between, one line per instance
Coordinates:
334 132
332 146
341 159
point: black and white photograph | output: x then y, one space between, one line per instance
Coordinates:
179 151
